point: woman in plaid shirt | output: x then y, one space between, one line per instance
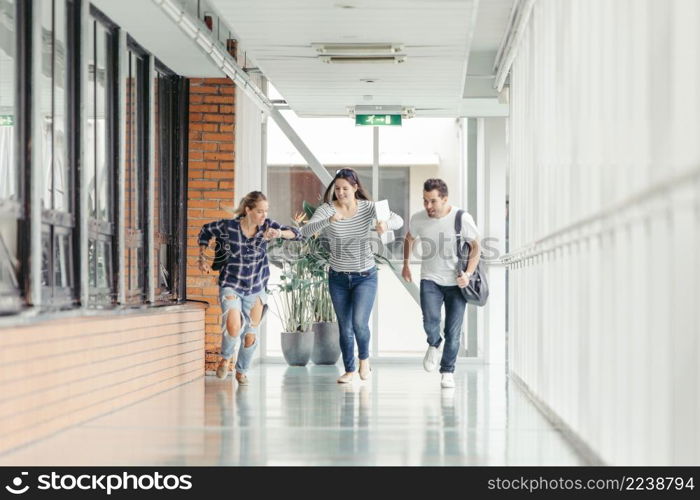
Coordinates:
243 276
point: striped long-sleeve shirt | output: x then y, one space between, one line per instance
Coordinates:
349 239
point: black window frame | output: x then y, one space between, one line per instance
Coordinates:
101 231
135 238
59 212
168 125
13 290
56 224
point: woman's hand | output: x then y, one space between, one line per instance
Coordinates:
381 227
272 233
336 217
203 264
299 218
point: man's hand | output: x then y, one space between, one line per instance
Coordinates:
272 233
381 227
463 279
406 273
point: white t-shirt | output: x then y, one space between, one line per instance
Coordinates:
438 246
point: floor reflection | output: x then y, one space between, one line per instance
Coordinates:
301 416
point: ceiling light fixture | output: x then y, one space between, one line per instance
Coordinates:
349 53
363 49
379 109
397 59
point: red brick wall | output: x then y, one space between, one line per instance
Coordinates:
210 189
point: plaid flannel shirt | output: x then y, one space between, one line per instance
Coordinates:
246 269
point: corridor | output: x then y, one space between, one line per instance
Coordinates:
301 416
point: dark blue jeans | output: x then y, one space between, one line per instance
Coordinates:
432 296
353 298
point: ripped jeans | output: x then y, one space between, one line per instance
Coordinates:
233 301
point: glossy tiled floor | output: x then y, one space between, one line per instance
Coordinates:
300 416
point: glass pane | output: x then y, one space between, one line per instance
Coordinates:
394 186
45 98
61 171
165 134
136 269
132 167
164 265
8 251
288 188
90 131
141 268
104 266
62 270
92 262
9 178
45 259
101 109
158 170
400 319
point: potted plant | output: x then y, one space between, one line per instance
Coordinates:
296 311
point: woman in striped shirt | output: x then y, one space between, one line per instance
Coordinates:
345 219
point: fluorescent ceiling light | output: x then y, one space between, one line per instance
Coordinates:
362 59
365 49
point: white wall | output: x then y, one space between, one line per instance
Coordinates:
493 227
605 120
249 146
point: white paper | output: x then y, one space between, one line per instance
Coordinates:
381 208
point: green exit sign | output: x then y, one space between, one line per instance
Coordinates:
377 120
7 120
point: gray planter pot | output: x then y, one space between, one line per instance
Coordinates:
326 349
296 347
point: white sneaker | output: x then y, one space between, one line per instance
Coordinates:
448 381
430 361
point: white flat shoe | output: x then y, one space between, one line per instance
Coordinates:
448 381
365 370
346 378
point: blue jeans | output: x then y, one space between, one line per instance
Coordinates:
241 304
432 297
353 298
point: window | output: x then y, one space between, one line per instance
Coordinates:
10 172
165 95
57 176
99 161
135 177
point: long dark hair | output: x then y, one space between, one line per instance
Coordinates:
351 176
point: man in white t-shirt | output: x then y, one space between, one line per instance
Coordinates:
440 278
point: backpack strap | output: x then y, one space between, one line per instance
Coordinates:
458 232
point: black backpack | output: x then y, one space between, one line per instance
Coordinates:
477 291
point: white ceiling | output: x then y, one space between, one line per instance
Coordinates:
438 35
157 33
